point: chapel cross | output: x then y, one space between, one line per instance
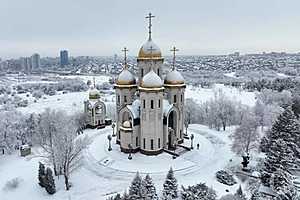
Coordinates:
125 50
174 55
150 16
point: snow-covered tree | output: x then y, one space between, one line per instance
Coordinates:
287 128
149 188
58 137
31 128
198 192
136 191
170 187
42 175
279 159
68 147
50 184
11 130
246 136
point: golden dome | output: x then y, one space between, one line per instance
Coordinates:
145 52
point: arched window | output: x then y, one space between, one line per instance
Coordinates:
152 104
158 142
159 103
144 103
144 143
142 72
175 98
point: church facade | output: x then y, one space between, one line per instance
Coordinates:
94 109
150 109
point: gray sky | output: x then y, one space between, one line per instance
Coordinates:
98 27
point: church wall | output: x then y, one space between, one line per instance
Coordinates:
151 121
144 66
179 103
124 96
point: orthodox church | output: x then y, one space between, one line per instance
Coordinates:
94 109
150 110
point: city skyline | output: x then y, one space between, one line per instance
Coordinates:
100 28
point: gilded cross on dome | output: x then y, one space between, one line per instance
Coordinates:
174 49
150 16
125 50
151 49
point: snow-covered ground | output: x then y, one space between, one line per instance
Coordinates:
201 95
73 102
103 173
97 178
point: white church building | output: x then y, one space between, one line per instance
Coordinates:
150 109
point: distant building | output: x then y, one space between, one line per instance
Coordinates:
35 61
64 58
26 64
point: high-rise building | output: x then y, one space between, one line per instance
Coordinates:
35 61
26 64
64 58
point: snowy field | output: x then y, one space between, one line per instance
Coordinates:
98 179
106 172
73 102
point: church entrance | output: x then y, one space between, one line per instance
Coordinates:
172 126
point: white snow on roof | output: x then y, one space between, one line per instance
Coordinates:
174 76
94 91
151 79
135 108
126 76
146 47
166 107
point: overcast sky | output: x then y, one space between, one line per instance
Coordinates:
98 27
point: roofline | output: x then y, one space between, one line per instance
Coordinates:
175 85
125 86
153 89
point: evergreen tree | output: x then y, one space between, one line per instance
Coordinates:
136 189
198 192
287 128
170 187
42 175
280 157
125 196
149 188
50 185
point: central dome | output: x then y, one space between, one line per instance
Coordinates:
151 80
145 51
126 78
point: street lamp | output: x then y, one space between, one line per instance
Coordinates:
109 142
113 127
192 138
130 149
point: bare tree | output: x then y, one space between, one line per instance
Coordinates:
246 136
58 137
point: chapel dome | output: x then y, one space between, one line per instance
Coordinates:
151 80
126 124
94 93
126 78
145 51
174 78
